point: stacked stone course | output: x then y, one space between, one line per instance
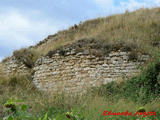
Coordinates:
76 72
12 65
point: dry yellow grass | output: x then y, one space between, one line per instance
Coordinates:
91 106
140 28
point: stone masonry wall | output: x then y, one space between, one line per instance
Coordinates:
76 72
11 65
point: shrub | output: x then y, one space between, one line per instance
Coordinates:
26 56
142 88
110 89
145 86
133 56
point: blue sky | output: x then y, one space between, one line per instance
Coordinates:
25 22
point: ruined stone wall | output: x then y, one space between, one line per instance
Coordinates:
76 67
11 65
76 72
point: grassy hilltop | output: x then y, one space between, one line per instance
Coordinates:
137 31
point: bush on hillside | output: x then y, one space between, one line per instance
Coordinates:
26 56
145 86
141 88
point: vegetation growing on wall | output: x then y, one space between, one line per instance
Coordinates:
139 28
142 88
27 56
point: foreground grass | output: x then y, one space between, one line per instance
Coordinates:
92 109
140 91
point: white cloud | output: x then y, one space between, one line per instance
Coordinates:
18 30
136 4
157 2
10 31
13 20
109 5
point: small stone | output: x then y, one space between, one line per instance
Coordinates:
86 52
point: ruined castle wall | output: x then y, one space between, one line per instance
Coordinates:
76 72
11 66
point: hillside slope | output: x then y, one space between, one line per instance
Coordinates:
139 31
139 28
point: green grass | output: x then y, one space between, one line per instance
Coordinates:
139 91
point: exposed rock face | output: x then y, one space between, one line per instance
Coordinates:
11 65
76 72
